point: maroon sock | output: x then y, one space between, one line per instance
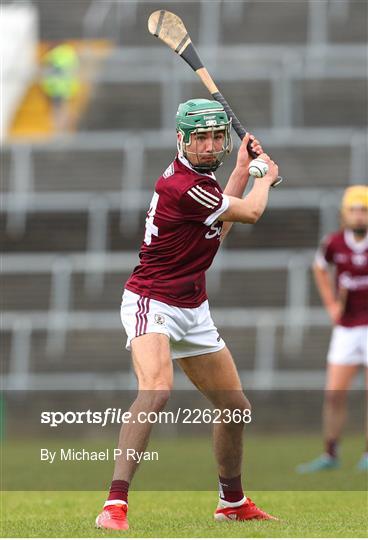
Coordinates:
331 447
119 491
231 489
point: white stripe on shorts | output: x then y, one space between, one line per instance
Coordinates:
141 316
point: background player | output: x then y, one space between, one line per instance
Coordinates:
347 305
165 310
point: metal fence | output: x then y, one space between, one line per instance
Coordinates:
60 318
282 67
22 198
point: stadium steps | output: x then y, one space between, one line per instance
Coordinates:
354 29
107 110
292 18
6 351
68 170
236 288
311 354
78 170
59 23
103 351
47 232
281 228
28 292
5 179
123 106
321 102
325 103
68 231
302 166
250 99
93 351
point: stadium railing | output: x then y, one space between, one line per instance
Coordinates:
60 318
281 65
97 206
264 375
23 196
318 16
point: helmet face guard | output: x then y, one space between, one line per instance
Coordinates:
203 116
218 155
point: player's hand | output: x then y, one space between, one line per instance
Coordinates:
244 158
273 169
335 311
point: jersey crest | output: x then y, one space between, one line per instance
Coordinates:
169 171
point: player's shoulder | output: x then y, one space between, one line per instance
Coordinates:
334 240
178 178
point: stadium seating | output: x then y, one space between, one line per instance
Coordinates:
63 199
344 24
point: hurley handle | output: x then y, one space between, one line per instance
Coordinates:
239 129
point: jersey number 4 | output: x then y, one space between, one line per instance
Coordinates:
151 229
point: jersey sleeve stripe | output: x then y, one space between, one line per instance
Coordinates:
201 201
320 260
224 206
205 196
210 195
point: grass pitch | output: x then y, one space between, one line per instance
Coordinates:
326 504
184 514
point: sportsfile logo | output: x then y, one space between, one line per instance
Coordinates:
108 416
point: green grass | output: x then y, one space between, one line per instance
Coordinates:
325 504
184 514
269 464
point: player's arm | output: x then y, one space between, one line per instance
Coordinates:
251 208
324 283
238 180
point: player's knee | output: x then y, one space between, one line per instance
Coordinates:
248 404
160 398
155 399
236 401
335 398
244 404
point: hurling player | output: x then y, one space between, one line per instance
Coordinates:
346 301
165 311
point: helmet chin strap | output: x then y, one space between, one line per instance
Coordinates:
205 167
198 167
179 145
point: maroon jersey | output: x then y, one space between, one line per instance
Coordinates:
181 238
350 259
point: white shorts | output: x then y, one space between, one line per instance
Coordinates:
191 330
349 346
